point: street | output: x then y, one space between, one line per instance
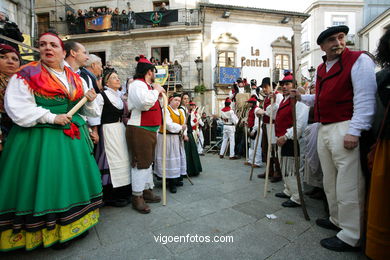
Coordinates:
222 202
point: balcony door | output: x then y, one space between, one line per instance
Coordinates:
160 53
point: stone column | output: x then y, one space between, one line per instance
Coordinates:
297 28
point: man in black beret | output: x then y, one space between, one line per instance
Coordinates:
344 104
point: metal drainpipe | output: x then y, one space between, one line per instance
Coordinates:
32 33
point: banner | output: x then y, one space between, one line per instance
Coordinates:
99 23
162 75
23 51
156 17
228 75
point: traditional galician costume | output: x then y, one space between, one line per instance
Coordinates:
344 105
229 119
194 166
253 128
141 134
49 182
176 165
284 129
274 167
111 152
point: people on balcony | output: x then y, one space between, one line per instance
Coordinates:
115 20
123 21
71 22
80 24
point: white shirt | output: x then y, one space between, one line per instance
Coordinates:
240 90
364 90
20 104
115 98
229 117
140 98
279 98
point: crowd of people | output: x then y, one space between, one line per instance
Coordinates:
337 119
120 20
70 133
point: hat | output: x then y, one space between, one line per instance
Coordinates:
266 81
330 31
252 100
239 80
288 77
143 64
227 100
253 82
5 48
192 103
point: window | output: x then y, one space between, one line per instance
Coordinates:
157 5
282 61
160 53
226 59
43 22
339 20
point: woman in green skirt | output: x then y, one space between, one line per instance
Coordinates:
194 167
50 186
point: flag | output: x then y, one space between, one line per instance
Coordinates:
162 75
98 23
156 17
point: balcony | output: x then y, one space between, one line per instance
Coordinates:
185 18
351 39
305 47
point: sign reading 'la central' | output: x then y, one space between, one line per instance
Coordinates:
254 62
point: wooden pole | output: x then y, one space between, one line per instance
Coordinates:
246 142
77 106
254 152
269 139
164 162
296 156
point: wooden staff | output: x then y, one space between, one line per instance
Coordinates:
77 106
246 142
254 152
164 163
269 139
296 156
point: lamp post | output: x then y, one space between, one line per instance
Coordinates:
199 65
311 71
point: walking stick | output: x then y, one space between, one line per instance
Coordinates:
77 106
246 143
254 152
269 139
164 163
296 158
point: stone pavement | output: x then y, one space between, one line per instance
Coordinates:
222 202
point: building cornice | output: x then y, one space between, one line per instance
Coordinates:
317 4
252 9
374 22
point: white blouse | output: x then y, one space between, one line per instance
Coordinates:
172 126
19 102
115 98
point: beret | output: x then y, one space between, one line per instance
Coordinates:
330 31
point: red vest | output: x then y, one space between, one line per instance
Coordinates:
152 117
334 91
283 119
251 117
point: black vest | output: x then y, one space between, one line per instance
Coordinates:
110 113
86 75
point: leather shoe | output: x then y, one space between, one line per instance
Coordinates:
256 166
221 156
281 195
336 244
149 197
233 158
326 223
274 179
247 163
261 176
290 204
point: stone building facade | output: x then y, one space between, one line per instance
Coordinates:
253 37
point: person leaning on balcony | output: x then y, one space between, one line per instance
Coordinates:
115 20
344 104
80 24
131 19
123 21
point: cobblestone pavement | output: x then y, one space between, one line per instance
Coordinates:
223 202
